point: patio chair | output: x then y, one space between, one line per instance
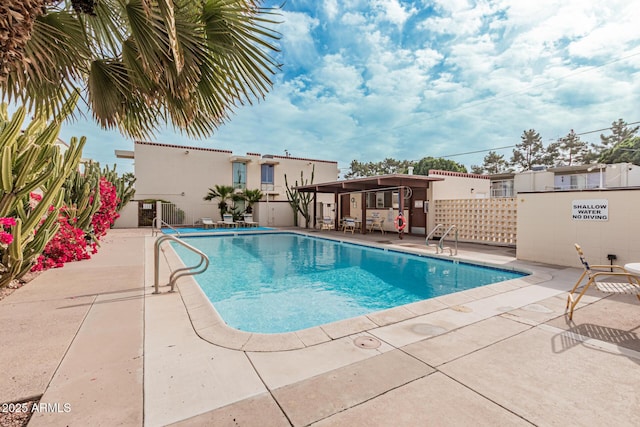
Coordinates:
207 222
375 223
249 222
227 221
327 223
349 224
630 285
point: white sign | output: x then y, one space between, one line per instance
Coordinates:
590 210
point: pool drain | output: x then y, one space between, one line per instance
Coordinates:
366 342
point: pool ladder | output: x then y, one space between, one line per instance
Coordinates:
440 245
155 230
180 272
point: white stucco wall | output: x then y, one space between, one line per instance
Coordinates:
533 181
547 230
183 175
459 186
128 216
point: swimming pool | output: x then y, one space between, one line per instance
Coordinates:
283 282
192 230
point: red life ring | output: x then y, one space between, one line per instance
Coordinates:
400 223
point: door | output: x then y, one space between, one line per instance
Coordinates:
418 212
146 213
345 206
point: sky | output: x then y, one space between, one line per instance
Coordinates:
370 79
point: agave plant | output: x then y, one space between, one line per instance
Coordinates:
141 62
32 165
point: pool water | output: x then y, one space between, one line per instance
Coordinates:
188 230
285 282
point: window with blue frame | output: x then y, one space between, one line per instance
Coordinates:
266 177
239 175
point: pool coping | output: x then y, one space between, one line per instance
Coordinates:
209 325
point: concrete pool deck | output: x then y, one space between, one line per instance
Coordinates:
93 336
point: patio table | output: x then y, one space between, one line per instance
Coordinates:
633 267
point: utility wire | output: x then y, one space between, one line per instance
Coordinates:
513 146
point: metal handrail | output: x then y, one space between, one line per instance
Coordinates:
441 242
180 272
432 233
155 230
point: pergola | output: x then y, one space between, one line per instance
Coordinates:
364 185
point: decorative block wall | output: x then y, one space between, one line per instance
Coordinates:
492 221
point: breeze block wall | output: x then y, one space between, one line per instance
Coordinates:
490 221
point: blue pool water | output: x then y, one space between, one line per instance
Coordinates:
285 282
189 230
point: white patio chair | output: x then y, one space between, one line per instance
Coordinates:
227 221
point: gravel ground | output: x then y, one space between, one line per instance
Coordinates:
16 414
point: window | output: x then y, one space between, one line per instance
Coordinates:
266 177
384 200
239 175
502 188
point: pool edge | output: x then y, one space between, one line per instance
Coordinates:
210 326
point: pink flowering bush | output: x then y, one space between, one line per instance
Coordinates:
5 237
71 243
68 244
104 218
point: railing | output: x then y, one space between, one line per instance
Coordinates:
174 215
431 234
180 272
441 242
157 229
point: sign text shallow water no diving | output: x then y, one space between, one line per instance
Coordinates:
590 210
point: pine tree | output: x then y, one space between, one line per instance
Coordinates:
529 152
571 150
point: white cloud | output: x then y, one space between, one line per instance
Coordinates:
297 43
388 78
331 9
392 11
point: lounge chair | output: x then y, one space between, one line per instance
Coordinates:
227 221
204 222
349 224
207 222
249 222
630 285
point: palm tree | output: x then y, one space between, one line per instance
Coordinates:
224 193
251 197
139 63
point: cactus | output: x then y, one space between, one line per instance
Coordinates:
31 161
298 201
124 185
82 195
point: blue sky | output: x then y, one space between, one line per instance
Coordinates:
372 79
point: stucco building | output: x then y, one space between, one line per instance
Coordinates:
183 176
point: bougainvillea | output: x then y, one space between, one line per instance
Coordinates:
68 244
104 218
5 237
